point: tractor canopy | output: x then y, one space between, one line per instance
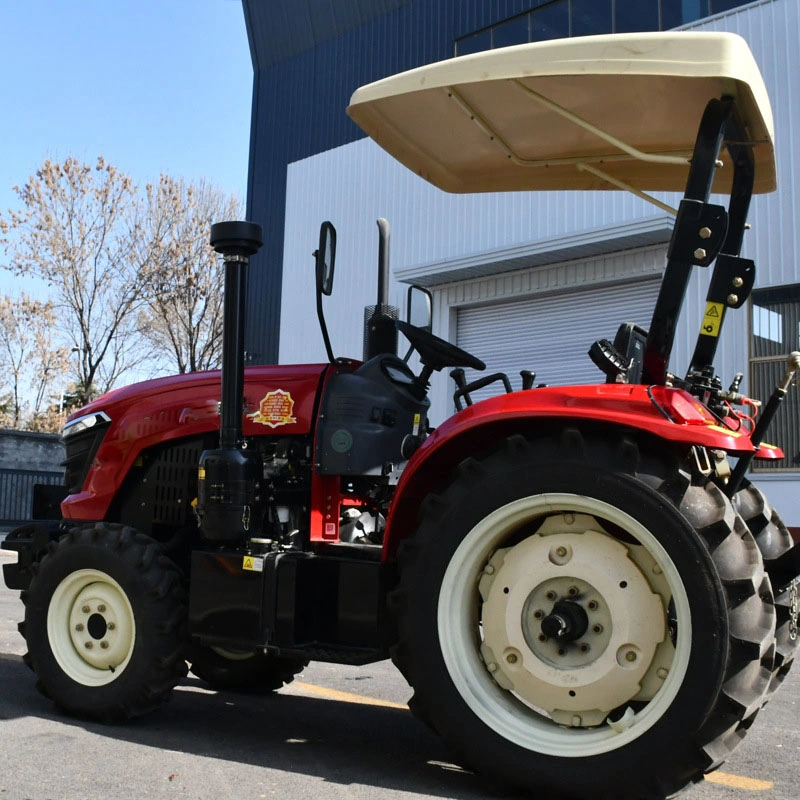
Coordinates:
596 112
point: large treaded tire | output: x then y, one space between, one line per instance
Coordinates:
773 540
105 623
243 672
716 609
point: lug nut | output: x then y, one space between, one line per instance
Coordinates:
593 605
542 637
561 551
79 627
584 648
572 591
101 608
104 644
538 614
562 652
597 629
511 658
630 656
111 626
86 609
551 595
88 645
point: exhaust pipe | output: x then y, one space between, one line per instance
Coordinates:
380 333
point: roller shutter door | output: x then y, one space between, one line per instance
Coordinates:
552 335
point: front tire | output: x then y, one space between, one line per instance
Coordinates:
105 623
579 599
243 671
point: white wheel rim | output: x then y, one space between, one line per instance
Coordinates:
512 698
91 628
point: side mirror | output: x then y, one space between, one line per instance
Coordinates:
326 258
419 307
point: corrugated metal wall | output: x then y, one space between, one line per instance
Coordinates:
299 102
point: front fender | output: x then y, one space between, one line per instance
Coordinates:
672 415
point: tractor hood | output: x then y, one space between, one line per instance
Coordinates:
112 432
274 396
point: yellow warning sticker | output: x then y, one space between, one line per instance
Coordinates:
201 474
712 319
417 420
253 564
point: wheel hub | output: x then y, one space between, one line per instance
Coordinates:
99 632
566 622
570 623
91 627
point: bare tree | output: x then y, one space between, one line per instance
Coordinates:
78 231
28 358
183 316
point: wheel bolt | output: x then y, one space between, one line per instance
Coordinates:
561 552
593 605
79 627
573 590
562 652
511 658
630 656
86 609
598 628
101 608
111 626
88 645
542 637
104 645
538 614
584 648
551 595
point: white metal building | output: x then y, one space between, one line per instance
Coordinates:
530 280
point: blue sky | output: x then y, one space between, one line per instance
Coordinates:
152 85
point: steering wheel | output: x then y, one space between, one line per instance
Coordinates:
436 353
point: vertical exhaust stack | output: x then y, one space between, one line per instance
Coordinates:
229 503
380 333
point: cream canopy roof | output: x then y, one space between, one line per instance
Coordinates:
548 115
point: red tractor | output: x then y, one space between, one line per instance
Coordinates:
587 599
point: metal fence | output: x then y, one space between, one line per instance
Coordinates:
16 493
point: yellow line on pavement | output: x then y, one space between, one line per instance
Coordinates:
739 782
345 697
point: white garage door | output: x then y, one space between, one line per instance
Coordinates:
552 335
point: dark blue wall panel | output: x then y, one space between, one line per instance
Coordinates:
299 101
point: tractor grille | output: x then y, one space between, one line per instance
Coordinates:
81 448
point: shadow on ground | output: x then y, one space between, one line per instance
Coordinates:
336 741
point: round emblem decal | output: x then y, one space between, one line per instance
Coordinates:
341 441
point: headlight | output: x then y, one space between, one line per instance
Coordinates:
84 423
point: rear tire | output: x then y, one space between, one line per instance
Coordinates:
773 540
666 661
105 623
243 671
